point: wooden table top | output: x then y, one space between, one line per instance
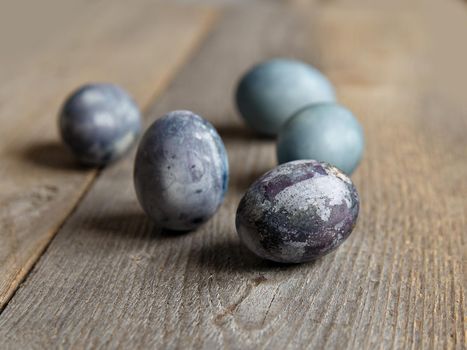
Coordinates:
82 267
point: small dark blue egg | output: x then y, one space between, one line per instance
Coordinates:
181 171
297 212
99 123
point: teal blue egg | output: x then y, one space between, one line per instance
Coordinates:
272 91
326 132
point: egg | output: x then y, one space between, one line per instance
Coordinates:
272 91
99 123
326 132
181 171
297 212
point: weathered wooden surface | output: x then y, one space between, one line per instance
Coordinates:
111 279
139 47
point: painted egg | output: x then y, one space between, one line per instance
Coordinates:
297 212
181 171
99 123
271 92
326 132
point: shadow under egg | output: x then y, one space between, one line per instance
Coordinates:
53 155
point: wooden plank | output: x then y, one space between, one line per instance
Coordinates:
111 279
138 46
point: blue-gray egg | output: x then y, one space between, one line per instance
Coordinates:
297 212
272 91
326 132
181 171
99 123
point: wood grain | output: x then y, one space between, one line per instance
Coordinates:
110 279
138 47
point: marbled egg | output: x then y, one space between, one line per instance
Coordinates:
99 123
297 212
271 92
326 132
181 171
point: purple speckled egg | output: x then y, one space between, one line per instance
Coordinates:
297 212
181 171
